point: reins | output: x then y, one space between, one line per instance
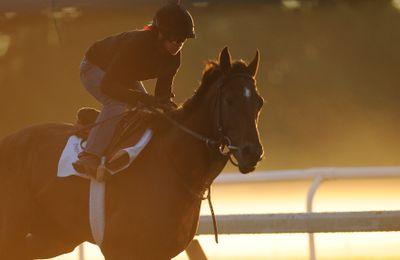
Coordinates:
90 126
210 142
223 141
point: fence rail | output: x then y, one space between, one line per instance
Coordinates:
367 221
327 173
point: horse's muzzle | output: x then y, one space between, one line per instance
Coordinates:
248 157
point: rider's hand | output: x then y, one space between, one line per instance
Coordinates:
146 99
167 105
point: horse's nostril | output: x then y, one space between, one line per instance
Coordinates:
251 153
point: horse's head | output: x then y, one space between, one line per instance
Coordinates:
238 108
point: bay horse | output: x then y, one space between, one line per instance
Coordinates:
152 208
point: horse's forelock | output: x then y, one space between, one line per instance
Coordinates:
238 67
211 70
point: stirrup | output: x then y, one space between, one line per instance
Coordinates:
102 173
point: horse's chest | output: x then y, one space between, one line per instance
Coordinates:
185 229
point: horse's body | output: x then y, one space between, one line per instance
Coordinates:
151 209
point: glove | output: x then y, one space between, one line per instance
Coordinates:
146 99
167 105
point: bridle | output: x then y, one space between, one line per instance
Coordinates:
223 142
225 146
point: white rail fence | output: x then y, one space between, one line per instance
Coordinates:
308 222
368 221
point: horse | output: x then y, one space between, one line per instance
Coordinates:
152 207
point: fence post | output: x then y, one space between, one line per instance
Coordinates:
81 252
310 196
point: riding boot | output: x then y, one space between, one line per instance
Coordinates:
87 163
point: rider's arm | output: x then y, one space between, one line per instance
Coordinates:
163 90
118 76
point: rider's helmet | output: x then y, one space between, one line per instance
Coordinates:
174 22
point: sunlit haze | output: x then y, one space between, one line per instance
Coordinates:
329 74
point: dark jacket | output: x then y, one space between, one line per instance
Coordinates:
134 56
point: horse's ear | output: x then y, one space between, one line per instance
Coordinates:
253 66
225 59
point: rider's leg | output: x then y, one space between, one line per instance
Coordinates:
101 135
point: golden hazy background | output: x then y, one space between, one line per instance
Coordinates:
330 73
329 69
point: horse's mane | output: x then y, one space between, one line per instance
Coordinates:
211 73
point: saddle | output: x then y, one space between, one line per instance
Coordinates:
128 132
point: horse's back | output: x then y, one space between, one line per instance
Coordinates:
20 150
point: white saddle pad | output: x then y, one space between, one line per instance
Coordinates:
97 189
73 148
68 156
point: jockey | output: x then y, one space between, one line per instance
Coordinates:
114 67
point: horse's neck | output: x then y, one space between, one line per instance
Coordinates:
198 162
